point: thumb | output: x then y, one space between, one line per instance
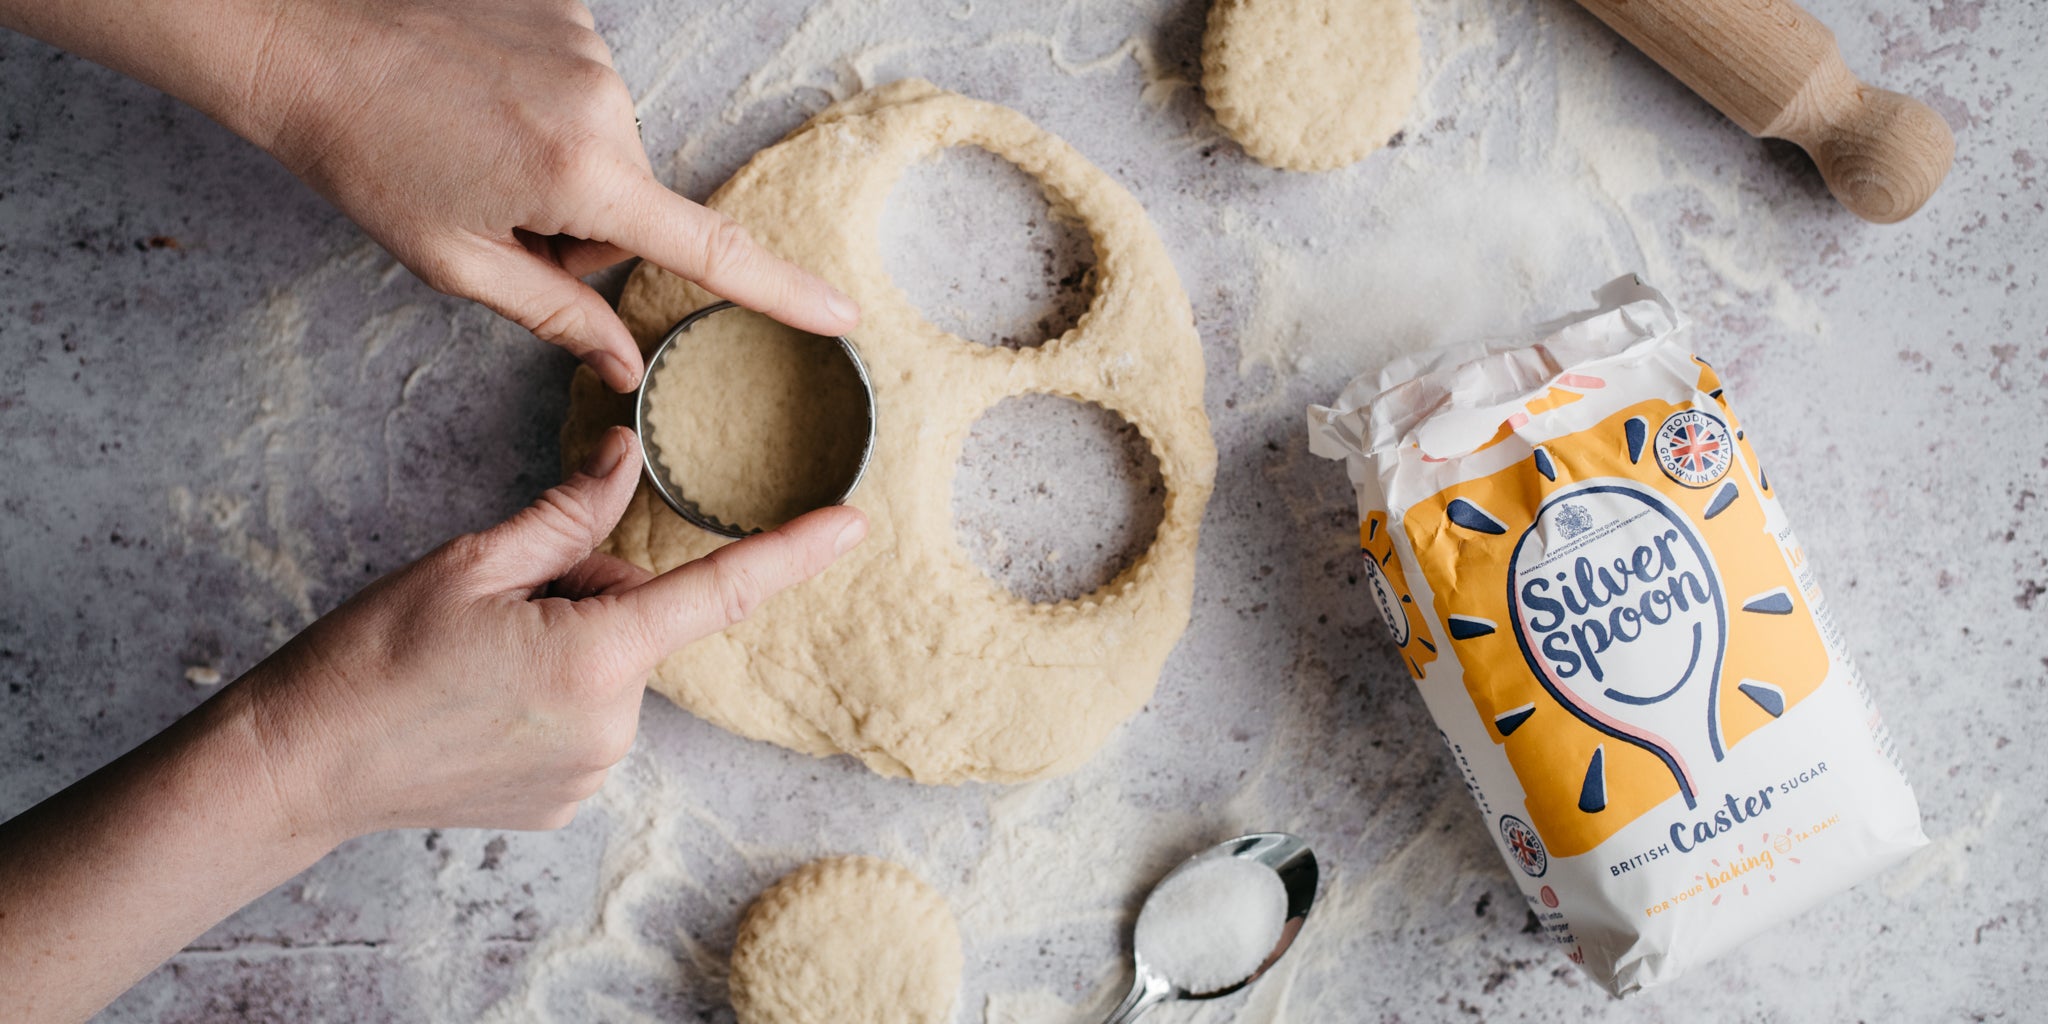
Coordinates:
548 538
702 597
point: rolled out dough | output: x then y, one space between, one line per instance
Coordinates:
904 654
1310 85
847 940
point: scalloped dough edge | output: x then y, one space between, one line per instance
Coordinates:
847 940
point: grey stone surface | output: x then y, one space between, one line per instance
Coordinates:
225 411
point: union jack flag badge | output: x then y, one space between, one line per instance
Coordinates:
1524 845
1694 449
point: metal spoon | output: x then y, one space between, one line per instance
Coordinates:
1290 858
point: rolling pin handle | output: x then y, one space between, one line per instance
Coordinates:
1882 153
1775 70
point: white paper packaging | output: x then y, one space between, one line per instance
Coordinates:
1590 577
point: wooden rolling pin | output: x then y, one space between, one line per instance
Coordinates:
1775 70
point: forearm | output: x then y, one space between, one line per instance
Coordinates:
104 881
217 55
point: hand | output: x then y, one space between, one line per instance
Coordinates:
493 682
493 150
490 147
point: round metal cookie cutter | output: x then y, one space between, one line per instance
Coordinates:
663 478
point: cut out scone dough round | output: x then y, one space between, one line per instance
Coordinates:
847 940
904 654
1310 85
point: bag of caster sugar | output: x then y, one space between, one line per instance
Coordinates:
1589 575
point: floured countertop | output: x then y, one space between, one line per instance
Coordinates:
226 411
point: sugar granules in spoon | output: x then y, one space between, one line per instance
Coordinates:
1212 924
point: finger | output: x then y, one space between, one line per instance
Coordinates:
702 597
584 786
545 819
582 257
557 532
578 256
599 574
579 13
710 249
540 296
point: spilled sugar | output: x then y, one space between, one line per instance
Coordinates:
1948 855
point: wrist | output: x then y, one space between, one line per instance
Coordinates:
255 66
290 766
297 84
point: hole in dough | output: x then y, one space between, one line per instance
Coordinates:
970 238
1053 497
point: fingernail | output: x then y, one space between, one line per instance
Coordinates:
842 307
606 458
849 535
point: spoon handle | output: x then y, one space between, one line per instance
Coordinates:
1147 991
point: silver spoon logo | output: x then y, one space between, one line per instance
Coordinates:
1620 614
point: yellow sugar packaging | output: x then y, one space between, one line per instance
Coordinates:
1588 573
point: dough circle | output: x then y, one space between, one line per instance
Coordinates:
904 654
847 940
1310 85
792 384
